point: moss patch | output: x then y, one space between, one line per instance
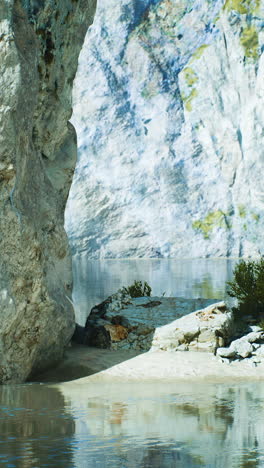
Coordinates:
256 217
217 18
249 41
199 52
244 7
187 100
242 211
212 220
190 76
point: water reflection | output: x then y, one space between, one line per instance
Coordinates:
138 425
169 425
35 428
94 280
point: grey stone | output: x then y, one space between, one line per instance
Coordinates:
242 347
260 351
255 328
226 352
39 50
132 337
255 337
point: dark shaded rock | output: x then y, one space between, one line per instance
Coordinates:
100 337
150 304
123 322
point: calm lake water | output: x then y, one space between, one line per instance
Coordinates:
133 426
140 425
95 280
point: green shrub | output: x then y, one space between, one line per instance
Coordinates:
248 288
137 289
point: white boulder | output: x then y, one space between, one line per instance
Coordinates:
203 330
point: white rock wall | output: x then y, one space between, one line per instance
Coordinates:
168 106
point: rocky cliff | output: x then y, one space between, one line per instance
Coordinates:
39 46
169 110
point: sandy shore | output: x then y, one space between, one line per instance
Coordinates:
117 366
82 361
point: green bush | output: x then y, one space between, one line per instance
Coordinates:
248 288
137 289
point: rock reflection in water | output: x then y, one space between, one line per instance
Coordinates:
168 425
95 280
34 427
150 425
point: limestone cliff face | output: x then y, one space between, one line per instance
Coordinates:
39 46
169 109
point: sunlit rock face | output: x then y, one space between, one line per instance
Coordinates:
39 46
169 110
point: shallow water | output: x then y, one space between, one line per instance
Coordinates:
95 280
133 426
140 425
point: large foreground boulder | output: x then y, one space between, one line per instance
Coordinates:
39 46
122 322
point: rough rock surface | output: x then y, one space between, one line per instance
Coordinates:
203 330
250 346
39 47
169 113
122 322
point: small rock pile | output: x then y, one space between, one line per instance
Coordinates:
249 346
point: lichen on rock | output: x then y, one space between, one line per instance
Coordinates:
249 41
171 127
243 7
215 219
